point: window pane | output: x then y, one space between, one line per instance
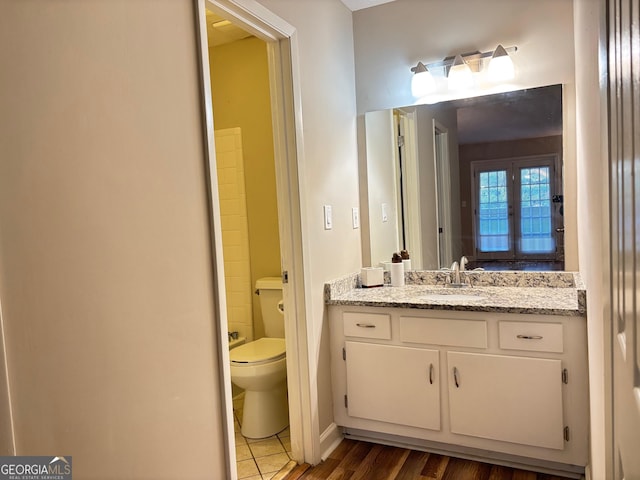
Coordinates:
535 211
493 212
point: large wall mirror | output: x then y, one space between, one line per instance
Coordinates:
480 177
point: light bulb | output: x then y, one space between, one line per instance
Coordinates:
500 66
422 82
460 75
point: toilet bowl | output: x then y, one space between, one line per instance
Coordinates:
260 368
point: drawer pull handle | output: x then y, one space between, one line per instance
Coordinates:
365 325
455 377
530 337
431 373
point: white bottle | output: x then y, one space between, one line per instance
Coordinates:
397 274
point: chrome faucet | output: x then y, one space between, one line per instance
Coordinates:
455 269
458 280
463 263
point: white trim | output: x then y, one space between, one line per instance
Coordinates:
6 378
286 102
220 302
412 190
330 439
253 17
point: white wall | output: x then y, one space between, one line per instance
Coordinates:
381 187
328 166
105 274
593 203
445 117
408 31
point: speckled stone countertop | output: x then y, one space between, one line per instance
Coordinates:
546 293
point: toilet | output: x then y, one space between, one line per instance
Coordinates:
259 367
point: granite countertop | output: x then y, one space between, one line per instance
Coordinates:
548 293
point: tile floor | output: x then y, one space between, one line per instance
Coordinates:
259 459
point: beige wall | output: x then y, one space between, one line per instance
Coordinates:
106 277
241 98
328 166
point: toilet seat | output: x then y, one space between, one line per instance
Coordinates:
263 350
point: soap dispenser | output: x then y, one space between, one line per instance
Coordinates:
397 271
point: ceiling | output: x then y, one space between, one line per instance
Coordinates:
531 113
221 31
354 5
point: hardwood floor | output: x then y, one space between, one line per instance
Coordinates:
355 460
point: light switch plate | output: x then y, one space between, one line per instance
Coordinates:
328 221
355 217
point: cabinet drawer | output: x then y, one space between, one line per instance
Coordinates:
439 331
534 337
367 325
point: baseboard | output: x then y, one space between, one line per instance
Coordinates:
329 440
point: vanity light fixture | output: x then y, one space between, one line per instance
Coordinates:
422 83
458 70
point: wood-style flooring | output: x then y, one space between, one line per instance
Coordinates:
355 460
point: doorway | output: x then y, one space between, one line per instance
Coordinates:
247 196
283 94
443 193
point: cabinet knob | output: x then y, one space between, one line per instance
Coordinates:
455 377
530 337
365 325
431 373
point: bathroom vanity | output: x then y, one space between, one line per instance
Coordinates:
494 371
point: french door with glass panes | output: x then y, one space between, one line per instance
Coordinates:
515 217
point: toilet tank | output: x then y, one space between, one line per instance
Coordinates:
270 291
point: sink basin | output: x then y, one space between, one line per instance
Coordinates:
451 297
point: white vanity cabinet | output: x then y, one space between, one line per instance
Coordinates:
377 392
512 399
502 385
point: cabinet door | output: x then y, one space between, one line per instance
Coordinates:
393 384
513 399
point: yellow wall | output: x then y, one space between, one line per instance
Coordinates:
240 89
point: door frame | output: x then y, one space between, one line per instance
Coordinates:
283 61
443 192
405 121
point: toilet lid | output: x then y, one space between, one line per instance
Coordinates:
259 351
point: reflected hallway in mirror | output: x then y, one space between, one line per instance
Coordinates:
480 177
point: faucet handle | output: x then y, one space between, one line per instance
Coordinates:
454 266
463 262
